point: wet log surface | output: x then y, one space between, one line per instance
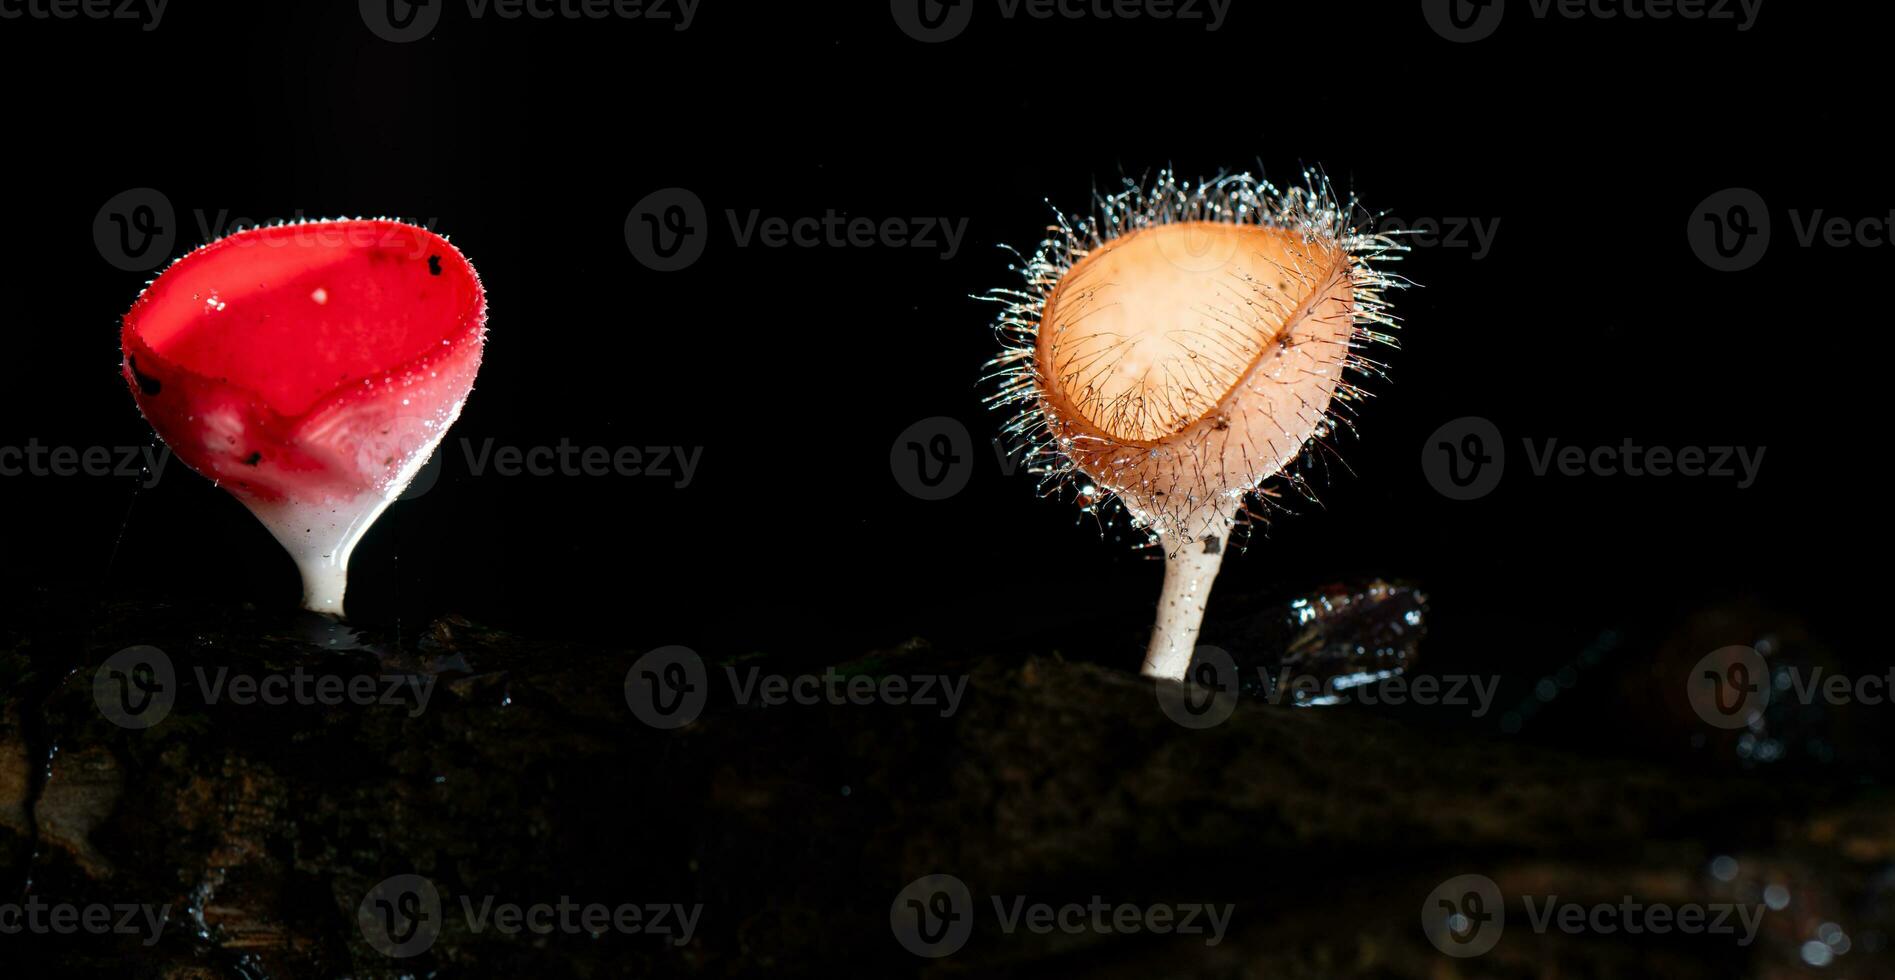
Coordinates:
526 778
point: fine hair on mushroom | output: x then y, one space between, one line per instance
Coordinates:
1189 351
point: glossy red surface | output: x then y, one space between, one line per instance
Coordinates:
309 361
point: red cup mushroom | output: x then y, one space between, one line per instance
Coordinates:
310 369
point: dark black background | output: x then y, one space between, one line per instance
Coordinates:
1589 142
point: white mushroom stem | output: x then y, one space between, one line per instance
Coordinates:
1191 566
320 539
320 535
325 579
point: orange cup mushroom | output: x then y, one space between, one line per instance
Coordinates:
1181 349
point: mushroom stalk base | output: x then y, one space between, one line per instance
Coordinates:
320 539
1190 569
324 583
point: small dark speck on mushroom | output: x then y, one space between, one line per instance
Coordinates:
253 459
434 265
